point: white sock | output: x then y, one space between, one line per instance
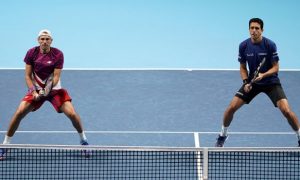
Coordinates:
82 136
7 139
224 131
298 134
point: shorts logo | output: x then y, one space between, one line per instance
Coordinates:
239 93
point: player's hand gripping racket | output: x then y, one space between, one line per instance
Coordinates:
256 73
248 87
47 89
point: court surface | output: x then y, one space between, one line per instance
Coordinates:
178 108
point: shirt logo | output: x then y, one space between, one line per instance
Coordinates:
49 62
262 54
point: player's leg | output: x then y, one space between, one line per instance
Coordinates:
68 109
284 107
61 101
278 97
28 104
234 105
23 109
241 97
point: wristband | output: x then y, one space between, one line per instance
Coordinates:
31 89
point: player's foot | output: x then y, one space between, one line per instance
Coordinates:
87 153
2 153
221 140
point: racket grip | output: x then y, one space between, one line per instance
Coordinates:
42 92
246 81
48 88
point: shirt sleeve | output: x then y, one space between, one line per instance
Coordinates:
29 56
274 53
60 62
241 56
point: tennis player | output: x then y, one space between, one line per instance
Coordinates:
42 74
251 52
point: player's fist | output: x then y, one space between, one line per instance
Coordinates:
36 96
247 88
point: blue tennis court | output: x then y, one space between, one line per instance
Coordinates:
147 124
169 108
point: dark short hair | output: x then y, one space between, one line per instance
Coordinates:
257 20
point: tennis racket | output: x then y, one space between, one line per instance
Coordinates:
257 70
48 87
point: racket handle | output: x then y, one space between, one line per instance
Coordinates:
42 92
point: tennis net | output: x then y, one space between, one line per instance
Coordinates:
69 162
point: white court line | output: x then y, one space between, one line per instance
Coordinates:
197 140
198 157
155 132
149 69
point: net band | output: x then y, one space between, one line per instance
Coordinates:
69 162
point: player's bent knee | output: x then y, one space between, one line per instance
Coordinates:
21 112
231 109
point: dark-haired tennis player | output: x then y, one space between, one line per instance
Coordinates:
251 52
42 74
